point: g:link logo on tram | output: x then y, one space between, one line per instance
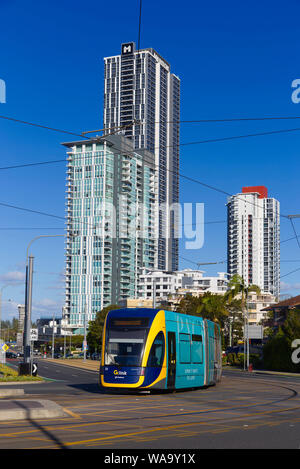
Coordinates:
122 373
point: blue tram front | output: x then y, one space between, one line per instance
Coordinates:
152 348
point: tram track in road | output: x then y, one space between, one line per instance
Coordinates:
97 420
132 434
225 409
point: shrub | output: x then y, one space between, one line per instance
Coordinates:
277 355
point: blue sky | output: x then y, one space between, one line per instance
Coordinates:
234 59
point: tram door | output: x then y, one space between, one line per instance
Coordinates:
171 360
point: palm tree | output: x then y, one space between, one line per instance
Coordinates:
237 287
213 307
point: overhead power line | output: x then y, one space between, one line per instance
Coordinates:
234 137
188 178
135 122
171 171
233 119
289 273
290 217
26 165
13 119
182 144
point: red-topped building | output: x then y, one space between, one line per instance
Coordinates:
254 238
261 190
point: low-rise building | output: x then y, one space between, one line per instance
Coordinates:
280 311
45 328
257 305
161 285
136 303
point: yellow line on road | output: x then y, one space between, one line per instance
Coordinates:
171 427
72 414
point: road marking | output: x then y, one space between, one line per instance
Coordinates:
72 414
171 427
106 442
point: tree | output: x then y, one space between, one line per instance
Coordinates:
233 325
94 336
188 305
213 307
210 306
237 287
291 326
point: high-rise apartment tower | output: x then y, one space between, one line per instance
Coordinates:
254 238
111 227
139 86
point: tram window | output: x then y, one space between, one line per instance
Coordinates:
185 348
156 355
196 338
197 350
125 346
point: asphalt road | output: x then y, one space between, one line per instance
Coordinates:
245 410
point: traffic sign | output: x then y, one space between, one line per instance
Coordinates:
254 332
33 335
4 347
34 369
84 345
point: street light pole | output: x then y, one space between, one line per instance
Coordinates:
1 290
28 307
28 296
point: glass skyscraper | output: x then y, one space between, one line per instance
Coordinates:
111 198
138 85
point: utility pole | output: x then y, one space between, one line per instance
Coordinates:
84 339
154 292
52 352
64 325
2 288
248 346
230 332
28 307
25 366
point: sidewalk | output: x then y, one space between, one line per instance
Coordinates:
88 364
29 409
12 408
266 372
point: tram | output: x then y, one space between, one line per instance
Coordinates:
157 349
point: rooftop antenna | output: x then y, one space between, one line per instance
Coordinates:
140 20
